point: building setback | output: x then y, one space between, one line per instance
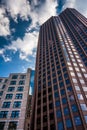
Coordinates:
14 96
60 96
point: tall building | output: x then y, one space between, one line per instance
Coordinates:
60 96
14 99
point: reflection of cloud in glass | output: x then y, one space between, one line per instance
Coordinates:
32 82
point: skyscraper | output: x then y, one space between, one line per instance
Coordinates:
60 96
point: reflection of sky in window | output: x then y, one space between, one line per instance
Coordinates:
32 82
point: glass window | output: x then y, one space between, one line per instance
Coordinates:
9 96
85 75
19 96
66 111
56 94
60 126
57 103
20 88
69 89
1 93
72 74
80 97
77 120
62 92
79 74
21 82
77 88
12 125
83 107
82 81
22 76
13 83
71 98
64 100
55 87
10 89
74 80
85 88
14 76
6 104
3 114
68 123
58 113
85 118
74 108
15 114
17 104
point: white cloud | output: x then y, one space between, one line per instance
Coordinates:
44 12
6 58
25 46
1 51
4 23
18 7
80 5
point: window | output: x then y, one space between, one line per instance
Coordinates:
3 86
71 98
6 104
57 103
77 88
22 76
3 114
66 111
17 104
85 88
64 100
12 125
21 82
74 108
74 80
82 81
83 107
14 76
72 74
61 84
77 120
80 97
85 118
2 124
62 92
13 83
9 96
19 96
60 126
15 114
58 113
10 89
69 89
20 88
1 93
56 94
55 87
68 123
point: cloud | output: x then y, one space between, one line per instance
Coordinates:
41 14
80 5
6 58
4 23
18 7
25 46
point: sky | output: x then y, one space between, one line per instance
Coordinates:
20 22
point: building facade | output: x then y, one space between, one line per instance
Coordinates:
60 96
14 95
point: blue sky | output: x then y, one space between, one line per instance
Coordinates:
20 21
